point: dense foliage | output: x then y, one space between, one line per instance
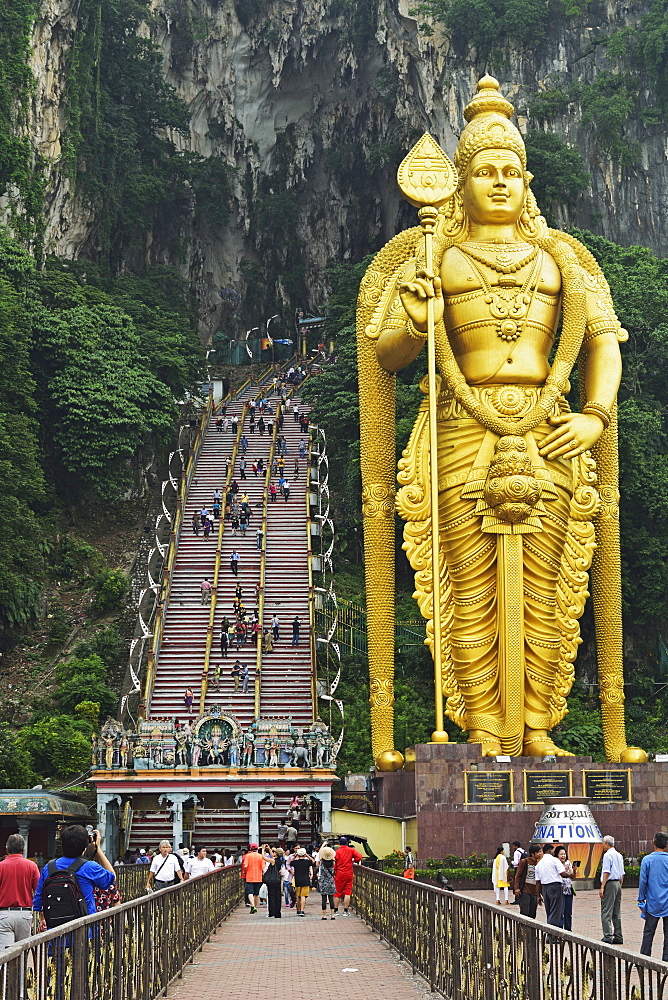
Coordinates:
90 371
639 282
20 169
119 145
487 24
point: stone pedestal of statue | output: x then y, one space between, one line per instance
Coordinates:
469 804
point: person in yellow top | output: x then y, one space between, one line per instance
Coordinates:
500 876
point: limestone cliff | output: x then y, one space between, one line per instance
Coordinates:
319 99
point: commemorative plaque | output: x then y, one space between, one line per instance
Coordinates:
607 786
541 785
488 787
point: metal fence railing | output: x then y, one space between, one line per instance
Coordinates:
131 881
469 950
350 631
129 952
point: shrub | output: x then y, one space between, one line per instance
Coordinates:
16 767
73 559
110 591
60 623
89 711
57 745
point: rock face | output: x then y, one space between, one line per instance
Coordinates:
321 99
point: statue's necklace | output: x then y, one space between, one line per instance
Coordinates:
508 307
501 258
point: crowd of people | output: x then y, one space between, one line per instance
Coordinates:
284 873
83 881
241 626
543 876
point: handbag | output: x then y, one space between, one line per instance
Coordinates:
272 876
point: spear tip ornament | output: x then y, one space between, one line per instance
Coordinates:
426 176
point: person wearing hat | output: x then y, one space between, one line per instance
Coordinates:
302 866
251 872
343 874
143 859
326 884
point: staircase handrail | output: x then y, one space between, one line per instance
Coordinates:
263 560
311 595
222 402
216 569
263 567
174 535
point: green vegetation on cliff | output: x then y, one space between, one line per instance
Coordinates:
20 168
90 372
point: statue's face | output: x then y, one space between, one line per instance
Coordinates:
494 189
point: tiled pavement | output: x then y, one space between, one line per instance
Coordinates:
296 958
255 958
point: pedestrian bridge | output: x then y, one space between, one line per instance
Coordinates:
456 946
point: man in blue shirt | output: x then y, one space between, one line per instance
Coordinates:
653 894
75 842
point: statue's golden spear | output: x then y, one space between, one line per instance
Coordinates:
427 180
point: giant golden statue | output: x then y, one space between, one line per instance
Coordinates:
526 490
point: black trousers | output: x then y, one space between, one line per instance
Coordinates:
274 899
528 905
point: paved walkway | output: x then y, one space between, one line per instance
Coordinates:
257 958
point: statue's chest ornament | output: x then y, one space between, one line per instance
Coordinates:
506 305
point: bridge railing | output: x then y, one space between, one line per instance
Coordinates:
131 881
470 950
130 952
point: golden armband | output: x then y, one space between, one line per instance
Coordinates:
598 410
413 331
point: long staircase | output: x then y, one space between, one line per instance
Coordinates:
286 683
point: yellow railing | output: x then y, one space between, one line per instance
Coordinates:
216 570
224 401
174 536
311 593
237 392
263 565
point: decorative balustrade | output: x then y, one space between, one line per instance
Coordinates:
469 950
130 952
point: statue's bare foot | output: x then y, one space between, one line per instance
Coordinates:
538 744
489 744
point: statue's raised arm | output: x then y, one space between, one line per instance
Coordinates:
527 489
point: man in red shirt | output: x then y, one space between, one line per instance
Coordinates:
343 873
251 872
18 881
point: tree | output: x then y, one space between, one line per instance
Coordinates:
16 766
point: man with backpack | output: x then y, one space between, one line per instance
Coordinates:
65 888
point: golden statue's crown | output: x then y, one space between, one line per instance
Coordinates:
489 127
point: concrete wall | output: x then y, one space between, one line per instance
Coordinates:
384 833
